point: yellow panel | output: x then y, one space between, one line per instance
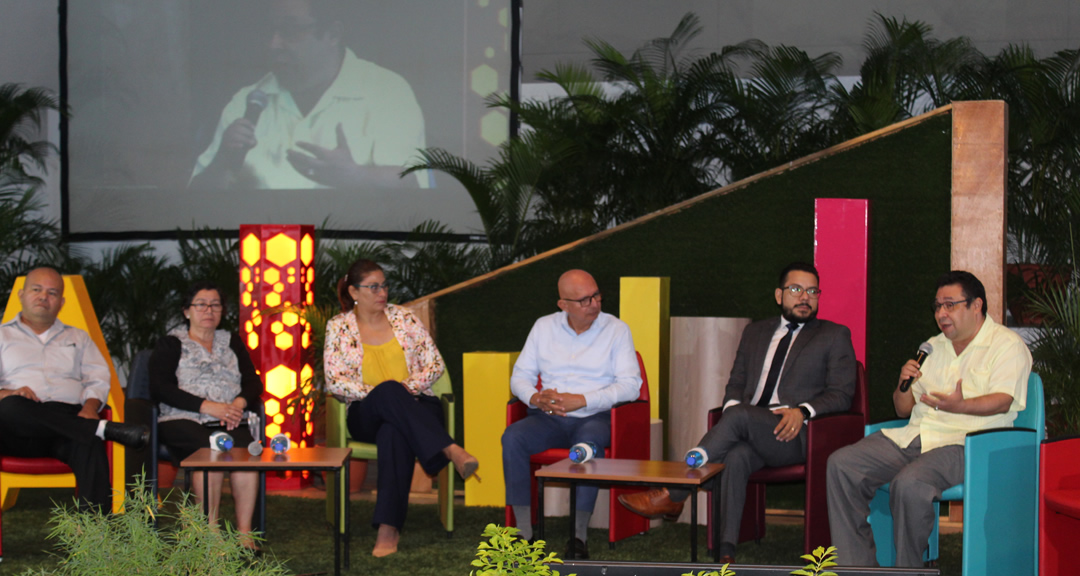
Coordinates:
245 298
272 407
78 311
307 249
245 275
273 299
273 430
485 391
253 341
280 250
277 327
249 249
283 341
271 275
280 381
644 305
279 418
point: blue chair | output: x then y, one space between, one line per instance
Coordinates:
1000 500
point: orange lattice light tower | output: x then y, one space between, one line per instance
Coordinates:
276 272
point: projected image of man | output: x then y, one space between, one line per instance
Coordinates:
322 117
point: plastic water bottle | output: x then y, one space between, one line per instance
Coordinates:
280 444
582 452
696 457
221 441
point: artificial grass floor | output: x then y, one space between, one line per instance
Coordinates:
297 534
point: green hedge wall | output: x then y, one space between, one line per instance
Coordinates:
723 254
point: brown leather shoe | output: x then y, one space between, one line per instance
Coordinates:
725 559
652 504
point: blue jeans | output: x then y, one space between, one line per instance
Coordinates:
538 432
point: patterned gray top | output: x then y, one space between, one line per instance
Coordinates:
213 375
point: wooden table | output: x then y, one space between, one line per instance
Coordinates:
611 472
317 459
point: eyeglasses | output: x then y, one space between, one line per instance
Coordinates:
204 306
374 287
795 289
586 300
950 304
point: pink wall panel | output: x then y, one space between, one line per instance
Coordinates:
841 255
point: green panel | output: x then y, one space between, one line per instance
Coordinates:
722 255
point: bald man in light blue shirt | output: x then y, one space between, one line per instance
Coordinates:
586 364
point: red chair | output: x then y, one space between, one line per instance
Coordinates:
824 435
1059 505
16 473
629 440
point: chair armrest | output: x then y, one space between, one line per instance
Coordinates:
336 429
515 410
871 428
1060 461
1001 470
630 430
830 432
448 401
714 416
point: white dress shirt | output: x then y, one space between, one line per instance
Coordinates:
67 367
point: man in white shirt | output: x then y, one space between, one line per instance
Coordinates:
322 117
586 363
53 384
976 379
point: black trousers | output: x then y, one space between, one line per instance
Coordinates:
404 428
184 437
31 429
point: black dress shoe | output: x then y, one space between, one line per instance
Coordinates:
129 435
577 550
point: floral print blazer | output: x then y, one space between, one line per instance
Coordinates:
343 358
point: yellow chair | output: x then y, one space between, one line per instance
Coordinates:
49 472
337 436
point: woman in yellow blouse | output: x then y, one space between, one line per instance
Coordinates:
381 360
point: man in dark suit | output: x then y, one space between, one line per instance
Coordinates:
787 370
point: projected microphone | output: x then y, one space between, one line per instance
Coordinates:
925 349
256 103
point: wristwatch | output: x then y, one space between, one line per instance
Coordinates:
805 412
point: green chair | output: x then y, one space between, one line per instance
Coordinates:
337 436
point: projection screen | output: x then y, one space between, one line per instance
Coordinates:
210 113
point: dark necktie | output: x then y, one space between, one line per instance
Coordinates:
777 365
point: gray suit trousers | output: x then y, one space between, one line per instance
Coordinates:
744 442
857 471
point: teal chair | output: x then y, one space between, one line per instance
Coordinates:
1000 496
337 436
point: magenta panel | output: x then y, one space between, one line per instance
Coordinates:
841 255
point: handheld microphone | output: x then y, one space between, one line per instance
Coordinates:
256 103
221 441
925 349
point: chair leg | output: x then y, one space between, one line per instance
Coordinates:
9 497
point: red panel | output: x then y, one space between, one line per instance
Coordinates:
841 255
277 277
